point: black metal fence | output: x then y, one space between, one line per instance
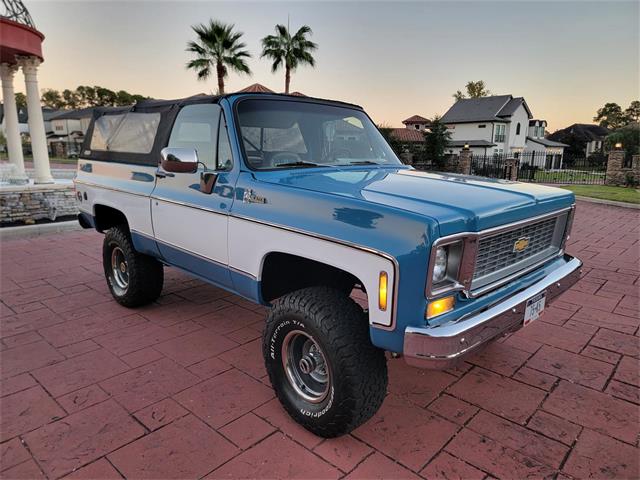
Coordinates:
534 167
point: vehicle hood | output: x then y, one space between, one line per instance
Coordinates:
456 202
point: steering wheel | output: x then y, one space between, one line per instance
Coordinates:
285 157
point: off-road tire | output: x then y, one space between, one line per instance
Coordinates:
145 273
357 369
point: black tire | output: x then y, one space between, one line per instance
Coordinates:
144 274
357 371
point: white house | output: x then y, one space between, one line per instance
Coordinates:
539 150
499 125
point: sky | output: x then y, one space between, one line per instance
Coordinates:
396 59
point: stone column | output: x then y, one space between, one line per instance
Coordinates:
464 161
36 121
512 164
14 142
615 163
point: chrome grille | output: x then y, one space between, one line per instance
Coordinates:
497 253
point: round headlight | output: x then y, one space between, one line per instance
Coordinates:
440 267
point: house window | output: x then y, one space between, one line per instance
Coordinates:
499 134
482 126
417 127
518 129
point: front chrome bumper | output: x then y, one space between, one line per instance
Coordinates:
443 345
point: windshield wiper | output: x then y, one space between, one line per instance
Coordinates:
364 162
300 164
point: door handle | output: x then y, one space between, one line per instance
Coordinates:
161 174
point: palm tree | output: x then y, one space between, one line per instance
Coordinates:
288 50
218 47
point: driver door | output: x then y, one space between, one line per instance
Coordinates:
190 225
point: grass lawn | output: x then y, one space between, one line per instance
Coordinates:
619 194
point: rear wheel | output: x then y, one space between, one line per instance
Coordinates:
321 363
134 279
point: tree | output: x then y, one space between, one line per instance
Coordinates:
436 141
632 113
217 48
474 90
610 116
289 51
52 99
87 96
387 132
628 136
21 100
105 97
71 98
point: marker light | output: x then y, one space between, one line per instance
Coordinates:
382 291
440 306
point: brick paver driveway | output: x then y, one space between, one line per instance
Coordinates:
178 390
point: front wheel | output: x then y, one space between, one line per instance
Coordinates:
321 363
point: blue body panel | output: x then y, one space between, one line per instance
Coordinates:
392 209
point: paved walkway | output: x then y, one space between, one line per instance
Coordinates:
178 389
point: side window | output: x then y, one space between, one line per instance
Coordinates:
131 132
518 129
225 158
197 127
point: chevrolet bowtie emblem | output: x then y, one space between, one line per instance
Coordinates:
521 245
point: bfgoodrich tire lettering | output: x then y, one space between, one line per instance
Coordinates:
134 279
356 371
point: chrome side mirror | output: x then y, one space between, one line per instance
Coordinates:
179 160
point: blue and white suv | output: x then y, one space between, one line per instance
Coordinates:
293 202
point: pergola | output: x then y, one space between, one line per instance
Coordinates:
21 48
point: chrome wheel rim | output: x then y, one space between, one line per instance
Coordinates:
306 367
119 269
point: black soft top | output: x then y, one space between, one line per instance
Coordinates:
167 110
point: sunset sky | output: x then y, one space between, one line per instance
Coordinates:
396 59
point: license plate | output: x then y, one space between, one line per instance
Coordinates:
534 307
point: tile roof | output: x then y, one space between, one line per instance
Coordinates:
416 119
256 88
407 135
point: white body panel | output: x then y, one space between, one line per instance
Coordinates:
195 230
110 184
250 242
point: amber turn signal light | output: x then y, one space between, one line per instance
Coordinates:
440 306
382 291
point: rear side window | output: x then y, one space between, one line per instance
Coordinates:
197 127
131 132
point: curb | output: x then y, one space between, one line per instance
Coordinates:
26 231
613 203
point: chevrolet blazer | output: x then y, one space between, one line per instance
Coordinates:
297 203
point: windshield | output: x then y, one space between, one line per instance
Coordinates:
291 134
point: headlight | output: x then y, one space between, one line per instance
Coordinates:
440 265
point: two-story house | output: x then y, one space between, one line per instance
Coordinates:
489 125
501 125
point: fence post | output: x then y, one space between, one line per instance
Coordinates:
615 164
464 161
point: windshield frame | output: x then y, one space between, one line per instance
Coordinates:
287 98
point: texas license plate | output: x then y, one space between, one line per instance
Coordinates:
534 307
